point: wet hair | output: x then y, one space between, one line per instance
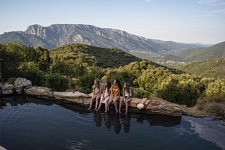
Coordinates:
97 83
127 87
118 84
108 84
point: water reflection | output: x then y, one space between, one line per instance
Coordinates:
21 100
206 129
111 120
115 121
2 104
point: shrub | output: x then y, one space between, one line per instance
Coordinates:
140 93
11 80
57 82
216 88
85 82
215 98
214 108
31 72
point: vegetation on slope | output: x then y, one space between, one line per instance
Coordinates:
209 68
199 54
76 66
92 55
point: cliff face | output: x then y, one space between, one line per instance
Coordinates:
60 34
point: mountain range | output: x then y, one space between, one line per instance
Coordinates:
59 34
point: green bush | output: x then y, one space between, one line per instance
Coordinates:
216 88
11 80
31 72
181 91
140 93
85 82
57 82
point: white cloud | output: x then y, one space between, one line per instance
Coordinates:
212 2
211 13
148 1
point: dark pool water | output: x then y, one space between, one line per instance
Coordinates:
33 124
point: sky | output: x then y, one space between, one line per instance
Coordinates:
187 21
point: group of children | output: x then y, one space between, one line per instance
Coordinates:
110 94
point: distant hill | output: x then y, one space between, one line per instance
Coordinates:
59 34
163 59
215 51
208 68
92 55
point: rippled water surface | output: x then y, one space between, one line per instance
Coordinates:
29 124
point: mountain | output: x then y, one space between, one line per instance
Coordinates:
59 34
208 68
200 54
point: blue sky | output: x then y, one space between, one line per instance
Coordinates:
189 21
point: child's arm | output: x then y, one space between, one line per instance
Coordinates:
130 92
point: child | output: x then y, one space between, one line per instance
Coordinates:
115 91
105 95
96 94
126 96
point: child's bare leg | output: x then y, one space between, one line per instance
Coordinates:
115 104
110 100
126 105
97 101
91 102
120 106
106 104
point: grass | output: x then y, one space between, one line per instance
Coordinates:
208 106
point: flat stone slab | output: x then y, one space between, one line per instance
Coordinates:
75 97
71 95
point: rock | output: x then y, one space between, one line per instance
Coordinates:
22 83
7 89
39 91
159 106
2 148
71 94
135 101
75 97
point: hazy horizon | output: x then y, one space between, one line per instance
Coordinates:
187 21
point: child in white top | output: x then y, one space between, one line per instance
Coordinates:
127 93
105 95
96 94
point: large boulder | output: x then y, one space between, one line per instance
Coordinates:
21 83
159 106
39 91
7 89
